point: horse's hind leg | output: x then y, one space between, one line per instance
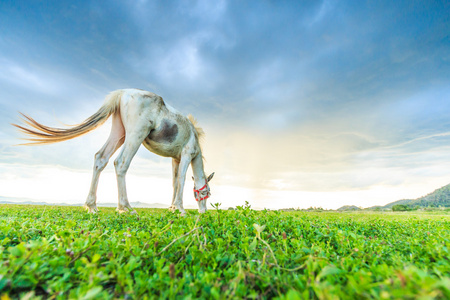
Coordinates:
115 140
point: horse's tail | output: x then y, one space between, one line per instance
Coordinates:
40 134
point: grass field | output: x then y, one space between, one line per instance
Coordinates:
53 252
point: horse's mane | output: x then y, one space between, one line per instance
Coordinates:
198 130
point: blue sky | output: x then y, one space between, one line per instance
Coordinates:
304 103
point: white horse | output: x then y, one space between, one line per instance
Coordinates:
138 117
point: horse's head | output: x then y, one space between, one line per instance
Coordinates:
202 194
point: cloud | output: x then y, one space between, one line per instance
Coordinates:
22 77
306 96
324 9
323 160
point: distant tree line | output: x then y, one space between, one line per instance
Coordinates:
403 207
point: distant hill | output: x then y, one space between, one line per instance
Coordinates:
348 207
403 201
27 201
440 197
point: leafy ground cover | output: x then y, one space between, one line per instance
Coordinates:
62 252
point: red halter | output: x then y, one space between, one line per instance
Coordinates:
197 193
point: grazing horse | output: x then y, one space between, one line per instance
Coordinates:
138 117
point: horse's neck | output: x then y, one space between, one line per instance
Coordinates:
197 169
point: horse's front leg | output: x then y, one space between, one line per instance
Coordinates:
175 166
181 178
122 163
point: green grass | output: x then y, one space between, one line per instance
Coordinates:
63 252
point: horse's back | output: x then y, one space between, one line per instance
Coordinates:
141 98
140 106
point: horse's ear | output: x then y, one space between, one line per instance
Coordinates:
210 176
193 178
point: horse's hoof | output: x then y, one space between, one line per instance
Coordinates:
91 209
125 210
121 210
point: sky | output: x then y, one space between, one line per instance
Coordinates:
304 103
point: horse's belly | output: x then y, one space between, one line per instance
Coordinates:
167 150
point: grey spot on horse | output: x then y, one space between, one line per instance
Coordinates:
166 133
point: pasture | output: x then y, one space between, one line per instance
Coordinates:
54 252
